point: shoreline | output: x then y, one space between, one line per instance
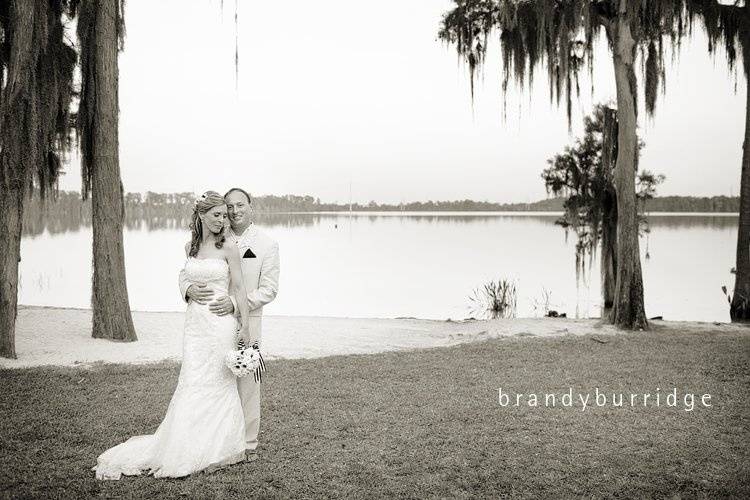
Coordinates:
62 336
482 212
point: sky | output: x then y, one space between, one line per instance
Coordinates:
350 98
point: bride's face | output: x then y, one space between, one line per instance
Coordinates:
215 219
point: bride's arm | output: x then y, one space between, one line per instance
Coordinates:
237 289
184 283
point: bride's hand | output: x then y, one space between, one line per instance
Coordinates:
244 334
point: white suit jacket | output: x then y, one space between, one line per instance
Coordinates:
260 268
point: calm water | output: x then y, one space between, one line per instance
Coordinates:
421 265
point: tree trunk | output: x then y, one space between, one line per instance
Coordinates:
17 155
11 214
628 309
609 211
112 318
739 309
609 252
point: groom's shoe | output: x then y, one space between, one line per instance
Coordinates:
251 455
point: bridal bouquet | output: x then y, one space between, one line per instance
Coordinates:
246 360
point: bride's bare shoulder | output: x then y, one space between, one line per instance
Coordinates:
231 252
187 249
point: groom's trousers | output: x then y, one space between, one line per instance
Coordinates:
249 391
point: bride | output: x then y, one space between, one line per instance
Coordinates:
204 425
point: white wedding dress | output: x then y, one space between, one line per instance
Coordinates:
204 425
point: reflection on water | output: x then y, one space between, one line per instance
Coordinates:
63 219
682 221
172 212
391 264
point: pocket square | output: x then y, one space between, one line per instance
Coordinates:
248 254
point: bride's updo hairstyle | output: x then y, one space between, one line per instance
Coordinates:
206 202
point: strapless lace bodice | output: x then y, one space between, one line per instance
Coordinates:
213 272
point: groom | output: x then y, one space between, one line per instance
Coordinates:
260 272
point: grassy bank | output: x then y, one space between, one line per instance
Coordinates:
420 423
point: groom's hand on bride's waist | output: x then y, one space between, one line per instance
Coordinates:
221 306
199 292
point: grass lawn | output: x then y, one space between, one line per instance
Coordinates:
416 424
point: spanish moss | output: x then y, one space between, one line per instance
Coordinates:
561 37
36 78
34 123
87 38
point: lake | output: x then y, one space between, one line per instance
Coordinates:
396 264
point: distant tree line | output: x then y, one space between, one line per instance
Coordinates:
66 210
179 204
68 213
694 204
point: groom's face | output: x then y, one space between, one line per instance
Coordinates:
238 208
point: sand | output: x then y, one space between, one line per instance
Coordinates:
55 336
